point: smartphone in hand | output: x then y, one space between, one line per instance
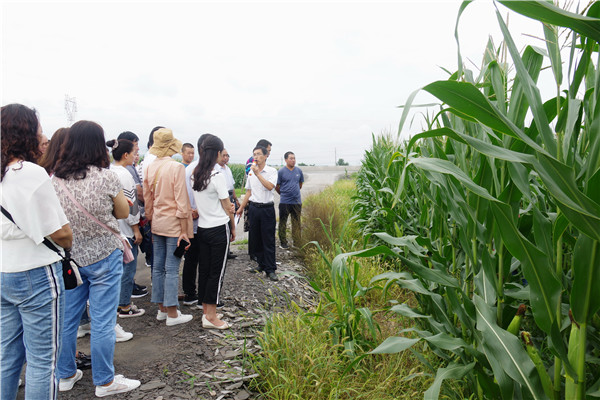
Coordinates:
180 250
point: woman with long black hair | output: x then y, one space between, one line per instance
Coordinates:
216 228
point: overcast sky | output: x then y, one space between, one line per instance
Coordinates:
317 79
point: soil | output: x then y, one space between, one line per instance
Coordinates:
189 362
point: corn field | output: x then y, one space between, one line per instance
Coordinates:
492 216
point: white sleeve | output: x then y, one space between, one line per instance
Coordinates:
221 186
39 214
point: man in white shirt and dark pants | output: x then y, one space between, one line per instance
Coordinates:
259 194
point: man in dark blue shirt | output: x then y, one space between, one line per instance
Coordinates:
289 183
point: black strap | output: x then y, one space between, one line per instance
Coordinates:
47 242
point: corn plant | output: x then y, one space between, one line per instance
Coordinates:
497 204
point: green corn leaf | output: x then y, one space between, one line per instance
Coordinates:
586 279
506 351
453 371
547 12
470 102
405 310
394 344
446 342
530 90
545 288
446 167
532 60
551 35
579 209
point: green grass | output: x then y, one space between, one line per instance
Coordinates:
300 358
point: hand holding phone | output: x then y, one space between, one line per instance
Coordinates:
180 250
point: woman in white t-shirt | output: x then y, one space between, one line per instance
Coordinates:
216 228
123 152
31 284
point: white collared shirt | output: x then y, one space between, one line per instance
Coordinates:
260 194
226 171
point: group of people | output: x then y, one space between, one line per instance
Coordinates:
95 211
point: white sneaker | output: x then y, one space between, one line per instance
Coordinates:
83 330
67 383
120 384
161 316
180 319
122 336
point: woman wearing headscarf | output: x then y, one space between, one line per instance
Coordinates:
168 209
31 284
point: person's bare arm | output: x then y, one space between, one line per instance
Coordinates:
244 202
120 206
63 237
140 192
278 188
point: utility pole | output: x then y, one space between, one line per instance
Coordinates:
335 156
70 108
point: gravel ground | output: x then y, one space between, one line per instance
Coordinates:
189 362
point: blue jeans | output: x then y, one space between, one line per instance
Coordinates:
165 271
31 318
128 275
101 285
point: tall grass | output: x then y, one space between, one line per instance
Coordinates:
320 353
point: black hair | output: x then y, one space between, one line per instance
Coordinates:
201 139
50 158
123 146
187 145
262 150
129 136
83 148
287 154
263 143
151 138
18 134
211 146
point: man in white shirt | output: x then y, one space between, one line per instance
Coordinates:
259 194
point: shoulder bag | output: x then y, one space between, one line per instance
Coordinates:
70 268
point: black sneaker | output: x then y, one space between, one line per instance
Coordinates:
284 246
83 361
272 276
140 287
138 293
190 300
255 270
220 305
231 256
133 311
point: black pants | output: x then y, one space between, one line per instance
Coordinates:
262 232
214 247
284 211
190 268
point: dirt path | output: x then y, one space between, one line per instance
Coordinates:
189 362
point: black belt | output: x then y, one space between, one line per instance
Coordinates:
261 205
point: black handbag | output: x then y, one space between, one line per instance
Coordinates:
70 268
